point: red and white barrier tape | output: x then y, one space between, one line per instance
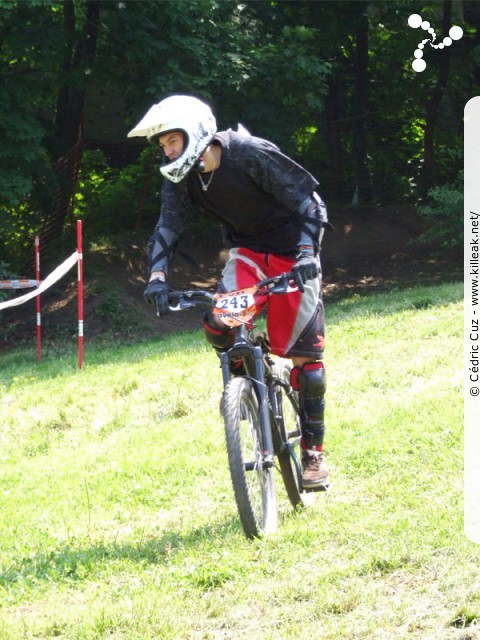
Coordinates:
18 284
51 279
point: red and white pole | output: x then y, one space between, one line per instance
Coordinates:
80 293
39 311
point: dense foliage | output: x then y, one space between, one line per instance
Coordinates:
442 211
330 82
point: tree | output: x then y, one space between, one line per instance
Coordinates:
330 82
79 47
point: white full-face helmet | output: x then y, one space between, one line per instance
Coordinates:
189 115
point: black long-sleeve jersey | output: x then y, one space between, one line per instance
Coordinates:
257 193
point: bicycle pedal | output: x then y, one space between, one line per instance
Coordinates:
323 488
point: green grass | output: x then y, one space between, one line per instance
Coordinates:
118 518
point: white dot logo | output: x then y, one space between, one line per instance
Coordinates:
416 21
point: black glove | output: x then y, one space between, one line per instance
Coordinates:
305 268
156 293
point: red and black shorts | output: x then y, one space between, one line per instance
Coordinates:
295 321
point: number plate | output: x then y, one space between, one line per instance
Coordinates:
235 307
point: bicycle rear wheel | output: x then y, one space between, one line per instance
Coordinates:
253 483
289 458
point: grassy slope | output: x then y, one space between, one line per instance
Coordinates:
118 519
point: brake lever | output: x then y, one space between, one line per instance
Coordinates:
283 287
182 304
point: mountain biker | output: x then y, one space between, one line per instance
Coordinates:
273 221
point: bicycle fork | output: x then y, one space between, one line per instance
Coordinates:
243 349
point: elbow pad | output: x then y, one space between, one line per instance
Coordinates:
161 248
314 221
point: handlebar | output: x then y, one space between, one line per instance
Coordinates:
187 299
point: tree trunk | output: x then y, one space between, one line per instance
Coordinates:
432 108
69 113
74 72
332 112
360 108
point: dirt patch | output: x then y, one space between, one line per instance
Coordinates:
369 250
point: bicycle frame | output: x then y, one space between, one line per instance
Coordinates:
251 354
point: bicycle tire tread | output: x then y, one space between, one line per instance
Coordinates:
238 391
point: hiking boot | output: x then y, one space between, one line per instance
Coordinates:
315 471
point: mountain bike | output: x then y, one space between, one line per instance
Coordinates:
260 408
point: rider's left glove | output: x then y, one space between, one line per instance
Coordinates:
305 268
156 293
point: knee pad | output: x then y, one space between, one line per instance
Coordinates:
309 379
310 382
221 340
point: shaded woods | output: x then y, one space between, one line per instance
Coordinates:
331 82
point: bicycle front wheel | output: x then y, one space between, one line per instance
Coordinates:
253 482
